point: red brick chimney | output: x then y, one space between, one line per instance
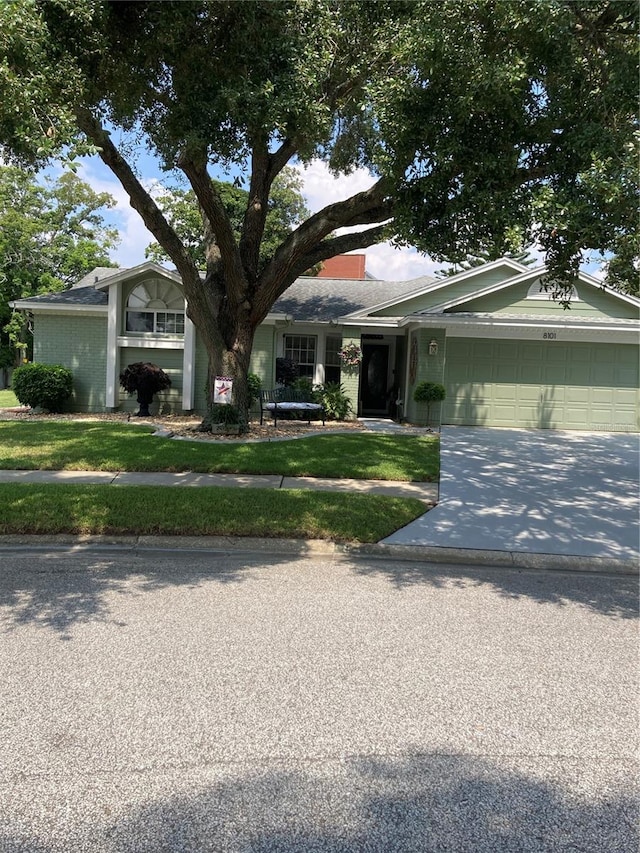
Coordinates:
344 266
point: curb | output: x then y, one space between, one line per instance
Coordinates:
316 549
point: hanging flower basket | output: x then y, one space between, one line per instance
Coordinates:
350 355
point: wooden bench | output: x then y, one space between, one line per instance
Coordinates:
279 400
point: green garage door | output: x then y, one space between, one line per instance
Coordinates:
545 384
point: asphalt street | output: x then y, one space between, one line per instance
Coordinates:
154 701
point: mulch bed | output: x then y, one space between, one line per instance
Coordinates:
186 426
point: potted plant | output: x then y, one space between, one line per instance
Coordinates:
429 392
145 380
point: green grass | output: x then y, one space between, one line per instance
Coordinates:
8 399
74 445
138 510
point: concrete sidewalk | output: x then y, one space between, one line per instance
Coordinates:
427 492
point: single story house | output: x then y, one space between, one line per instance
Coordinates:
506 352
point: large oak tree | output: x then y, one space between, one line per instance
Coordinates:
473 116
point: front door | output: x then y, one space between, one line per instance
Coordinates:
373 379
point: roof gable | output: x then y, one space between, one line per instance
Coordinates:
139 272
431 292
520 295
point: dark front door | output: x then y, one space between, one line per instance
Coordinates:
373 379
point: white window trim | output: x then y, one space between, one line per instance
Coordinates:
154 312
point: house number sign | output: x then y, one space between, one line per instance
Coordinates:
549 336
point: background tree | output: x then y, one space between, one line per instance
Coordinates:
51 234
472 118
287 209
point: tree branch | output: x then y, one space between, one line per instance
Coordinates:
265 167
307 245
257 207
364 208
218 220
139 198
340 246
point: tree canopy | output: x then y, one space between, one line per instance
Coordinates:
472 117
51 234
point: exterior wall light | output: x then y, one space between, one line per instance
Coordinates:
433 347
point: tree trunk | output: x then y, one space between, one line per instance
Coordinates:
229 356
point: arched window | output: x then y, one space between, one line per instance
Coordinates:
536 291
156 306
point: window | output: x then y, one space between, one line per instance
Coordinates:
537 291
302 350
157 306
332 359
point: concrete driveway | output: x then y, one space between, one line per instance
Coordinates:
536 491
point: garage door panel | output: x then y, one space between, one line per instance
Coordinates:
602 374
602 395
504 393
625 397
577 395
576 374
483 349
529 393
531 352
506 372
567 385
626 376
532 373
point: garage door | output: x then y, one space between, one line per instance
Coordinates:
545 384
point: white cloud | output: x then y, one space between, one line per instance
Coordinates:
322 188
393 264
383 260
134 236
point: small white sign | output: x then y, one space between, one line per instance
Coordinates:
222 390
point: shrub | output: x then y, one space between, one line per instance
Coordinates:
47 386
429 392
336 404
305 386
255 384
224 413
145 380
287 371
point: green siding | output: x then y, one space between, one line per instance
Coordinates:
592 302
78 342
542 384
430 368
171 362
263 355
350 376
446 293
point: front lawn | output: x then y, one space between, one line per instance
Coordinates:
91 446
209 511
8 399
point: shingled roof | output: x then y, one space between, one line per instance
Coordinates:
320 300
309 299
